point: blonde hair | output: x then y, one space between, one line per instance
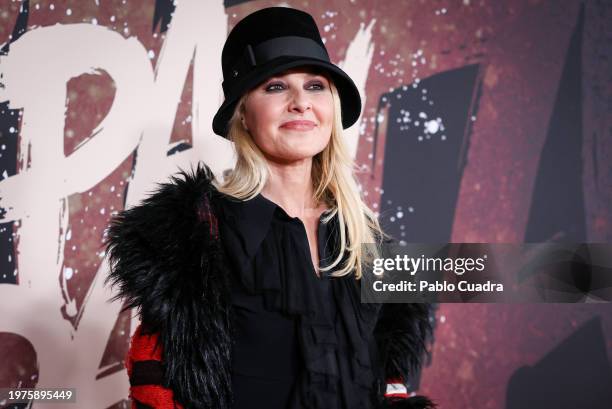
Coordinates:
333 181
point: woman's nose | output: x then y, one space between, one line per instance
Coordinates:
299 101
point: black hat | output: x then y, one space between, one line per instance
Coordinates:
270 41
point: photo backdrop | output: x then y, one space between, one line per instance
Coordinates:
483 121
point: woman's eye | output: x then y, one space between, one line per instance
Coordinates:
316 86
275 87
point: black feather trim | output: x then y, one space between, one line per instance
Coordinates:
167 262
403 332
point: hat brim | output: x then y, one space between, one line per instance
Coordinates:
350 100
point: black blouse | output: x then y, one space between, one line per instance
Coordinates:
301 341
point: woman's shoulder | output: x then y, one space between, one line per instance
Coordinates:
182 197
160 239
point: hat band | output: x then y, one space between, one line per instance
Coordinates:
281 46
288 46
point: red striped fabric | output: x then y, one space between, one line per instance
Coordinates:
146 390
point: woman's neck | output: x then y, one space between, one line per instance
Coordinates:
290 187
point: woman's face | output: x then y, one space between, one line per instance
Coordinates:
290 115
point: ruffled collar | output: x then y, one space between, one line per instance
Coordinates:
252 219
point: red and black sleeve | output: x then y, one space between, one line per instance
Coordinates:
145 371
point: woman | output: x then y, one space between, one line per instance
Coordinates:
248 291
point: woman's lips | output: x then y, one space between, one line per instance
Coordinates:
299 125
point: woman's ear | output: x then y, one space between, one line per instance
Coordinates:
241 110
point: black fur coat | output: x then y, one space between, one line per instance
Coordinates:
167 261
